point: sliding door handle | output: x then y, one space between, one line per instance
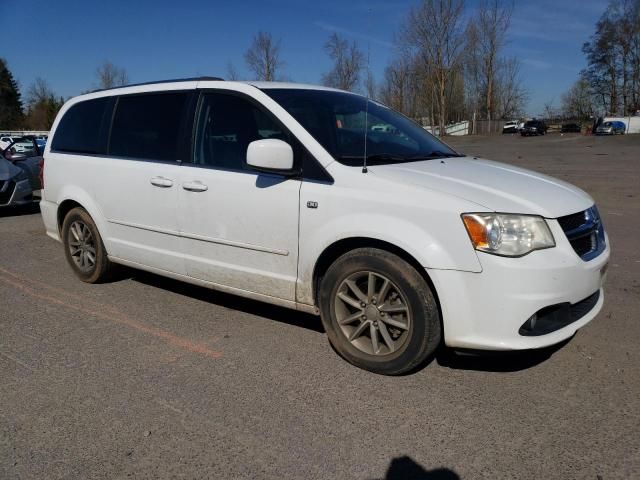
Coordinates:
161 182
195 186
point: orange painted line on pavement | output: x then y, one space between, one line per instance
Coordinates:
116 317
27 281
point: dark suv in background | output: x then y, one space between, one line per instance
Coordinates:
534 127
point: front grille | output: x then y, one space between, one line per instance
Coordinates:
584 245
6 191
571 222
585 232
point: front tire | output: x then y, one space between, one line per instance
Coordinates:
83 247
379 312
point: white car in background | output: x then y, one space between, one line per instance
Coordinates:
5 141
511 126
263 190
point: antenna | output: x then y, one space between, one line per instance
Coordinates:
366 108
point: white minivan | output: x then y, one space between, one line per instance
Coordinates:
261 190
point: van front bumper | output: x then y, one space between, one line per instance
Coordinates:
493 309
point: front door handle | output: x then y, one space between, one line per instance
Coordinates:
195 186
161 182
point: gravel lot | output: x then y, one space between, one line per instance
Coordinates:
150 378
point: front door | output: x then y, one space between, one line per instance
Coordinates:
239 227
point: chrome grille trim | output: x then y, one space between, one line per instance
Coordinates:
585 232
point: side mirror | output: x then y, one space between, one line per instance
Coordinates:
18 156
12 156
271 156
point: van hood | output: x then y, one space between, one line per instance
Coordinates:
7 169
493 185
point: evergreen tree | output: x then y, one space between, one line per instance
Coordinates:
10 102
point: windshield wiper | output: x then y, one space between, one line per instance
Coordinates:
382 158
375 157
435 154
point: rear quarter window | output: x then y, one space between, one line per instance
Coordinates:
84 127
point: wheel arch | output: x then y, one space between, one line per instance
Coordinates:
75 197
331 253
63 209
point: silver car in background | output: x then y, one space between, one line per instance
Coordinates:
20 163
611 128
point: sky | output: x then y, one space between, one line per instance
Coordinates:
161 39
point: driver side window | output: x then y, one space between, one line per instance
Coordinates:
226 125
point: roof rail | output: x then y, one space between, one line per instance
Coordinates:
173 80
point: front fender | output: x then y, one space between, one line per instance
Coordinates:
434 236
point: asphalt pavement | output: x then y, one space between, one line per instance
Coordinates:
146 377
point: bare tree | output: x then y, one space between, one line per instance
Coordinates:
613 58
263 57
456 108
110 76
42 105
492 24
603 69
577 102
348 62
511 96
232 73
38 92
371 87
433 31
399 87
473 69
550 111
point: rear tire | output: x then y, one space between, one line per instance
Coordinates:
83 247
379 312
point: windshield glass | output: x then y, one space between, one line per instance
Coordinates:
337 121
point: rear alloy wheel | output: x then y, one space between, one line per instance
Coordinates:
379 312
84 249
82 246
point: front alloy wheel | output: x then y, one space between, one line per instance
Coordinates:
379 312
372 312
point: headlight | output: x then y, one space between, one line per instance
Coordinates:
507 234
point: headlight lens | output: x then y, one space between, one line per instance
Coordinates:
507 234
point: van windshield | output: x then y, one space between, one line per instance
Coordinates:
340 121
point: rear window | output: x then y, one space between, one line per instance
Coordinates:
147 126
83 129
